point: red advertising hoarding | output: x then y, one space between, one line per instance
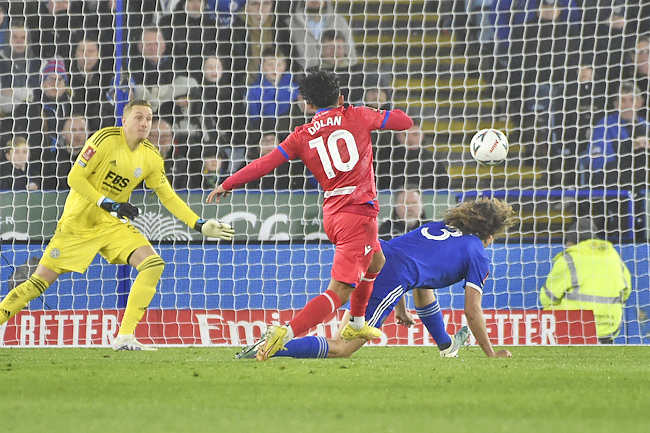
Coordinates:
239 327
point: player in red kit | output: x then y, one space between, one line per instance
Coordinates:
336 147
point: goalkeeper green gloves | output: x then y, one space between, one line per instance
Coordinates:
214 229
118 210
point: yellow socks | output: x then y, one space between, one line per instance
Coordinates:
144 287
18 298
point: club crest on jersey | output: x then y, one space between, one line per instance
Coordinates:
55 253
88 154
138 172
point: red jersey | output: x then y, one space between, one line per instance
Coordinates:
336 148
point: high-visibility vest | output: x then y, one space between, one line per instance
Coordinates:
589 276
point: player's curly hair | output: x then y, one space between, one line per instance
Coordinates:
320 88
483 217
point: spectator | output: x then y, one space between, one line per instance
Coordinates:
589 275
71 140
125 90
617 158
222 10
376 97
193 33
52 27
16 172
224 107
639 69
614 36
273 91
18 68
89 81
293 175
4 23
334 57
539 49
99 22
618 141
186 118
308 22
213 170
408 161
174 157
253 30
151 69
299 114
43 118
573 124
407 214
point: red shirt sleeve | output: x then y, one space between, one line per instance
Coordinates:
397 120
255 169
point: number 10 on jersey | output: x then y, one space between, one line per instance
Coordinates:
332 145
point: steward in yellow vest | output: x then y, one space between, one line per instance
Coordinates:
589 275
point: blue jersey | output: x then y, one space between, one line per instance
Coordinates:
432 256
436 256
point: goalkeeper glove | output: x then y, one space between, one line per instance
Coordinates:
214 229
118 210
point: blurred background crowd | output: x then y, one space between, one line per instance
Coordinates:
567 79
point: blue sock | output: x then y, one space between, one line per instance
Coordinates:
306 347
431 316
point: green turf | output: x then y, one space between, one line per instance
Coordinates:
541 389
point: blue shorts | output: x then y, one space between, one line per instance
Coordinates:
386 292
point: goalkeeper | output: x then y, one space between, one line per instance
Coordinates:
96 219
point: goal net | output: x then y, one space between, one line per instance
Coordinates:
565 80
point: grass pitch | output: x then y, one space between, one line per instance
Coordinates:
390 389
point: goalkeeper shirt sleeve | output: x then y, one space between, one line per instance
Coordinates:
78 181
256 169
175 205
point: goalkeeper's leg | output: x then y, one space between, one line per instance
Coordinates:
19 297
149 271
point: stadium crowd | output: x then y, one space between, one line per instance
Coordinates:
222 79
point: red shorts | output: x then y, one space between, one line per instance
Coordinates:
355 237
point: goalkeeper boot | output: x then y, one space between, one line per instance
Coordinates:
367 332
128 342
250 351
458 340
273 341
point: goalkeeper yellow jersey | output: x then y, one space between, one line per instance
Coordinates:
108 167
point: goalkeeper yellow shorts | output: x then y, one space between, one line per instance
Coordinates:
72 252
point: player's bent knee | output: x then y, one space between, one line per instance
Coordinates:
152 265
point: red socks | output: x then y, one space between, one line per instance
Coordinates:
316 311
361 294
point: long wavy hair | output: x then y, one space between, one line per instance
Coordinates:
483 217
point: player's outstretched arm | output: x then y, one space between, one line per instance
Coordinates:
210 228
252 171
476 322
402 316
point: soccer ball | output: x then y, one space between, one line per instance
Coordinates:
489 147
